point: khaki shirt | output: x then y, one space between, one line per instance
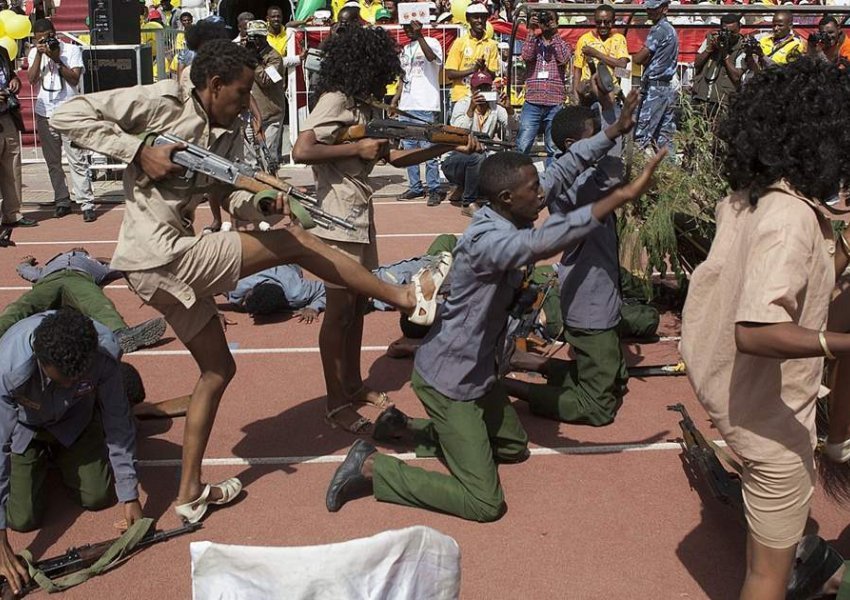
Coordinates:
772 263
157 226
269 95
342 186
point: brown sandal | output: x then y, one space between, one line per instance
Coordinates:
359 427
382 404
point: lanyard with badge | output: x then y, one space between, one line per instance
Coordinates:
545 51
408 58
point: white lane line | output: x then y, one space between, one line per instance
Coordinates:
26 288
338 458
307 350
91 242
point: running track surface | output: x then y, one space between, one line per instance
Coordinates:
593 514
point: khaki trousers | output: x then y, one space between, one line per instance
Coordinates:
10 171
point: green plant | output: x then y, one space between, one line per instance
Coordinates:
671 227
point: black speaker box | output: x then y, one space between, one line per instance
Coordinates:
114 22
112 67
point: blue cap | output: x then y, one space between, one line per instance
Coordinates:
655 3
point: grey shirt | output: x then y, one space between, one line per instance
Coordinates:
30 401
74 261
459 355
589 271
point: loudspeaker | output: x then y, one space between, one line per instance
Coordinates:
112 67
114 22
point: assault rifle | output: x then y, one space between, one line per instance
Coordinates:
264 155
523 318
391 129
75 560
241 176
701 457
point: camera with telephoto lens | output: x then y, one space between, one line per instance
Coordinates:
822 38
751 46
8 101
725 39
51 42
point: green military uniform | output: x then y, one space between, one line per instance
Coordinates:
64 288
469 436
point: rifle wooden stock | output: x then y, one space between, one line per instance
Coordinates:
436 134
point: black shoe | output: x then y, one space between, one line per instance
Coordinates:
6 237
815 563
24 222
389 425
349 483
140 336
61 211
89 216
412 195
434 198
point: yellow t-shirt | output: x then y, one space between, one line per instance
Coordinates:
787 52
464 52
368 10
278 41
614 46
336 6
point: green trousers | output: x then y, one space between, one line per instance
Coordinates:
589 390
445 242
83 466
64 288
470 436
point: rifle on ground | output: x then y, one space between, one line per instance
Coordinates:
701 455
391 129
244 177
77 565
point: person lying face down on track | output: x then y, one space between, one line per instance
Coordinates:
456 370
179 273
754 321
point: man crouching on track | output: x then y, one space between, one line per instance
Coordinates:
471 420
179 273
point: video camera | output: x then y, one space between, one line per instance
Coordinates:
822 38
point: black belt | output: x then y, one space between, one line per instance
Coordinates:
657 82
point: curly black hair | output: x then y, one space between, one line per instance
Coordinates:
569 124
266 299
222 58
134 387
790 123
66 340
205 31
360 62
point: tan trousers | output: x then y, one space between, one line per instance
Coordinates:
10 171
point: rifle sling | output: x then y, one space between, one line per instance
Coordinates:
725 456
114 554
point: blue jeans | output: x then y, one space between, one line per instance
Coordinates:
532 119
462 169
656 123
432 167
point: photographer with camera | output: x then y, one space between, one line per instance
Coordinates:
719 65
10 148
56 68
547 58
783 46
269 88
830 42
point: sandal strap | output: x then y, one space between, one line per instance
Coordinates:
332 413
359 425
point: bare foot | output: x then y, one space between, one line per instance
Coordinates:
348 419
369 396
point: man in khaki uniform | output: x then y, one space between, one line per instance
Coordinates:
10 147
179 273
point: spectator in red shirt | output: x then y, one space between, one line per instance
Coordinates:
546 58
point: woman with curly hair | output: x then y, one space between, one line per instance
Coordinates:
358 64
753 326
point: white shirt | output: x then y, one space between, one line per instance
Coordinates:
421 86
53 90
485 124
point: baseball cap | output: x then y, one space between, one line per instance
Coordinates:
480 78
383 13
257 28
445 17
655 3
154 14
477 9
